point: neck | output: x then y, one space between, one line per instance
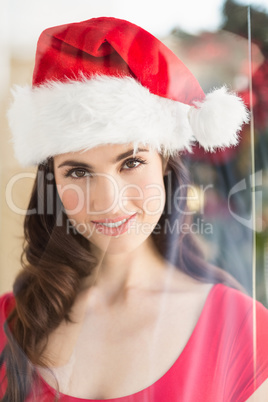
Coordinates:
116 274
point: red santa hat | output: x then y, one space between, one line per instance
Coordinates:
108 81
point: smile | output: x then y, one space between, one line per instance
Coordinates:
115 228
114 224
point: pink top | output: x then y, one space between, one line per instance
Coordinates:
217 363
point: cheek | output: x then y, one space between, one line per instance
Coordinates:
153 196
72 198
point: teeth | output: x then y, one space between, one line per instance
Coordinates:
113 224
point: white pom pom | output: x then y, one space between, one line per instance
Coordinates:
217 120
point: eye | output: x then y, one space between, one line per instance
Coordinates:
77 173
134 163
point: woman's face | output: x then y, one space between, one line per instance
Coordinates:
111 197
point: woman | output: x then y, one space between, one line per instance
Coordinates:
114 300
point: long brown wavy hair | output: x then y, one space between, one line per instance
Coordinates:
54 262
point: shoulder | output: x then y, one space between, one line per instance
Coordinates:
241 329
234 302
7 303
238 313
237 327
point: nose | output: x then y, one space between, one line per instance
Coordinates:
104 194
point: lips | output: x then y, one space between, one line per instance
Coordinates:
114 227
107 220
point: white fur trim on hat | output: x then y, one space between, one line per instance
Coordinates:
59 117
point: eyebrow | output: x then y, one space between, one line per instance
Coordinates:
119 157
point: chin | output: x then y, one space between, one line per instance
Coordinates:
116 245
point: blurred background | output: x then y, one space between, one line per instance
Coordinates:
211 38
